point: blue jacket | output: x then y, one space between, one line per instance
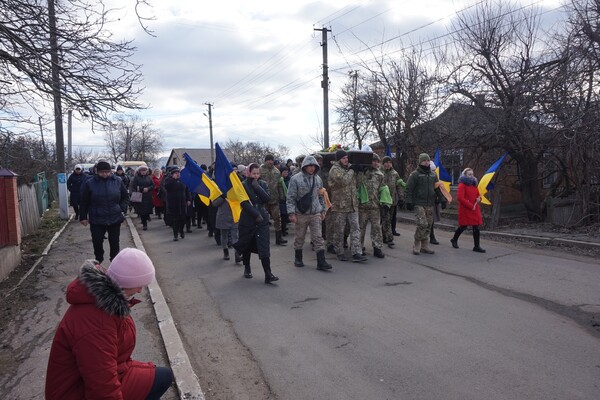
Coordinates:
103 200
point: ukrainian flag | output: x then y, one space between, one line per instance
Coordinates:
229 183
441 173
484 182
198 182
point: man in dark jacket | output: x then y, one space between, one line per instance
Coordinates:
104 201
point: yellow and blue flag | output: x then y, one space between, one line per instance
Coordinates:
198 182
441 172
484 182
229 182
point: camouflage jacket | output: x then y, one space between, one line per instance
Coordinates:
390 178
373 180
271 175
342 186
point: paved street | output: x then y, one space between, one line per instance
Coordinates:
514 323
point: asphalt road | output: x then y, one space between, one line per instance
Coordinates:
513 323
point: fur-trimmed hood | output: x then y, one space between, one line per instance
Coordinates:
93 286
467 181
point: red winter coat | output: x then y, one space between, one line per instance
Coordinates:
467 196
90 356
156 200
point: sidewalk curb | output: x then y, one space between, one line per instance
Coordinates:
537 239
185 378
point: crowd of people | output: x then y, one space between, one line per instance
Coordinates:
335 200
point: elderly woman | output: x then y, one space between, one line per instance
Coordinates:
90 357
469 212
157 202
254 224
142 182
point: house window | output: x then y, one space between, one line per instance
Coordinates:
452 161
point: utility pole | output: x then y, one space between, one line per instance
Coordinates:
42 134
58 122
69 138
212 152
325 86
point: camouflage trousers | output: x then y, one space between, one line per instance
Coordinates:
329 227
341 218
424 216
366 215
386 223
273 209
312 222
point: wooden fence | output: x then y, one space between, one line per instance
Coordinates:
29 208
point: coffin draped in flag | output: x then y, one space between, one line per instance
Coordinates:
441 172
198 182
484 182
229 182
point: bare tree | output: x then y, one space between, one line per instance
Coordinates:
130 138
352 114
253 152
497 55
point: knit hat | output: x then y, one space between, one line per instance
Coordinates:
175 169
269 157
103 166
131 268
424 157
376 157
340 154
386 159
119 168
241 168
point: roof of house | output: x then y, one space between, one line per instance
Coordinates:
201 156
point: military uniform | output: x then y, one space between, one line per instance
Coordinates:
391 178
420 193
342 184
271 176
368 211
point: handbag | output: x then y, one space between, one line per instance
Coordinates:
136 197
305 203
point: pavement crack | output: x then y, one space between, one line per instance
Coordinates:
397 283
500 256
307 300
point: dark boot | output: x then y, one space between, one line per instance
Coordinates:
477 247
322 264
298 258
266 264
238 257
457 234
279 239
246 260
378 253
331 249
225 254
432 238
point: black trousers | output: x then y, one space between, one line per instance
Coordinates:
163 377
98 231
394 218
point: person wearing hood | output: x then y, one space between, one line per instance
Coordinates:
74 183
253 225
306 209
90 357
420 197
469 212
103 204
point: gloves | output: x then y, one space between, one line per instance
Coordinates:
410 206
444 205
259 219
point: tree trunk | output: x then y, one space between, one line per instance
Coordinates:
529 186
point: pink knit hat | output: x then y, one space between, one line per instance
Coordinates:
131 268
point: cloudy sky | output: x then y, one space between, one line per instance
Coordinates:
259 63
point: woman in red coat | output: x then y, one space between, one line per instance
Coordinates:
90 356
159 205
469 213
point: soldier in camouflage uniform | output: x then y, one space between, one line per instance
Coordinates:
369 209
392 179
342 183
328 222
271 175
420 197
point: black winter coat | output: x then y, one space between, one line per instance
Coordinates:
74 186
138 183
103 200
254 236
177 196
